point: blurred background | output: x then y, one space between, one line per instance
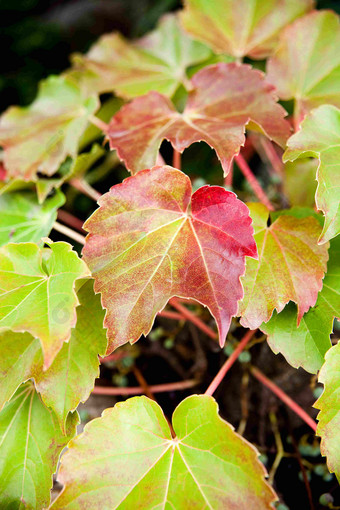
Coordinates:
37 36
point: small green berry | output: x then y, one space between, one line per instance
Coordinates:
325 499
244 357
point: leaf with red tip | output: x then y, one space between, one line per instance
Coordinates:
329 415
319 137
307 344
291 266
37 292
127 459
148 242
225 97
306 64
158 61
241 27
39 137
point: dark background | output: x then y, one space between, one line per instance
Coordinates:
37 36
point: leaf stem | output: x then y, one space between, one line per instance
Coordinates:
284 397
85 188
259 192
229 363
228 180
100 124
71 220
272 156
193 318
68 232
155 388
176 159
171 315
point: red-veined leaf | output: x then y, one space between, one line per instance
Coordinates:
148 242
225 97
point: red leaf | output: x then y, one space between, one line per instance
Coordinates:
225 97
148 243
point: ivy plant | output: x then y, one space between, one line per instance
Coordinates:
265 259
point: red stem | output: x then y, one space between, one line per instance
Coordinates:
229 363
171 315
85 188
192 318
228 180
272 156
176 161
100 124
71 220
137 390
245 169
284 397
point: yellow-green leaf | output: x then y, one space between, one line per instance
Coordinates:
39 137
241 27
329 405
291 266
128 459
37 292
30 444
319 137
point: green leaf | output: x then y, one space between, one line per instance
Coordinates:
307 345
158 61
319 137
39 137
20 352
37 292
241 27
24 219
291 266
216 113
30 444
128 459
306 65
299 184
151 240
329 415
70 378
